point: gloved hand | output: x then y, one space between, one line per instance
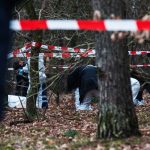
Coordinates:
42 77
20 72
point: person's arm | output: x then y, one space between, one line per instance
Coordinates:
42 75
73 80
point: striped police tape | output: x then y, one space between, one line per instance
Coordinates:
95 25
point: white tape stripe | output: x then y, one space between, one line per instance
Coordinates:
57 48
138 53
71 50
120 25
63 67
21 55
44 46
33 43
24 49
15 25
10 55
10 69
62 24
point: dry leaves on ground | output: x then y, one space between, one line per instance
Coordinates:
64 128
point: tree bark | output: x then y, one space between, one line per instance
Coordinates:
117 117
34 70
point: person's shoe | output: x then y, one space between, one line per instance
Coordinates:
83 107
90 107
140 102
135 101
45 105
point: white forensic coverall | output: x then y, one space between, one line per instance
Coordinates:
135 88
41 101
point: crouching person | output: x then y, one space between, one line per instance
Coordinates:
83 80
41 101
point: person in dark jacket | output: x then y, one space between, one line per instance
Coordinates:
83 80
21 78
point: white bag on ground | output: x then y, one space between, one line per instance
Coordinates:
15 101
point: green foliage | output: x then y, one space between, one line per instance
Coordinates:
6 148
71 133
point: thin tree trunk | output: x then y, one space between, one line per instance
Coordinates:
117 117
34 70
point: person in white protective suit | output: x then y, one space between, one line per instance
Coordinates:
135 88
41 101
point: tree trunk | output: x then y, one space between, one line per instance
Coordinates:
34 70
117 117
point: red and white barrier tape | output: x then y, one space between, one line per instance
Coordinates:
28 46
145 65
54 67
62 52
68 55
52 55
103 25
138 52
66 67
137 66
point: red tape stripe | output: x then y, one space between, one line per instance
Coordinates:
91 25
143 25
33 24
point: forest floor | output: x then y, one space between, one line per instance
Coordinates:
63 128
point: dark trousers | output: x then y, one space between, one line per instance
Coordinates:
42 96
22 85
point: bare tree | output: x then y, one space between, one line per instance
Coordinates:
34 70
